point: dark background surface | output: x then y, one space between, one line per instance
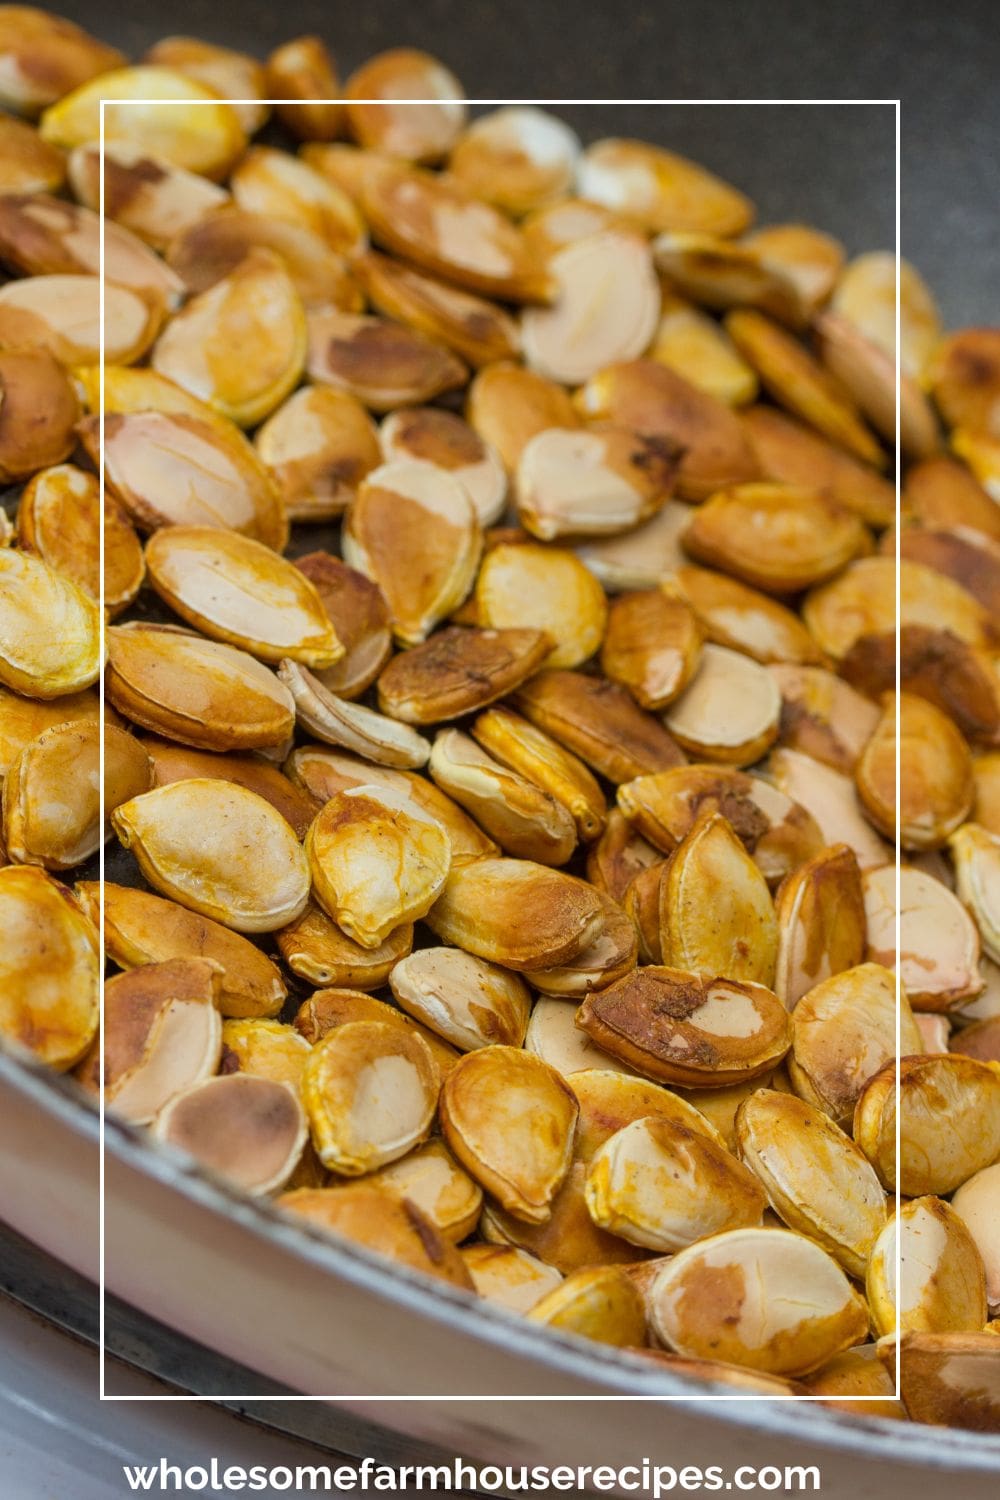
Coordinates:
830 166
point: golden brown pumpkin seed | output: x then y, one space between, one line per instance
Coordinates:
843 1032
62 314
266 1049
171 469
810 259
790 453
44 57
470 1002
41 236
220 850
443 230
822 716
547 588
816 1178
377 861
866 297
716 914
719 274
248 1130
525 821
656 402
215 244
413 529
665 807
59 520
229 74
976 858
52 806
380 1220
146 195
38 412
318 446
797 381
693 344
27 163
371 1091
607 307
459 670
597 1302
868 374
518 158
958 1089
412 132
730 710
240 346
943 1284
964 377
279 186
314 947
509 1277
239 591
597 483
662 190
652 646
938 940
659 1184
508 406
199 692
618 856
179 763
509 1118
941 493
950 1379
833 802
612 1099
516 913
639 559
50 968
821 922
140 928
303 69
339 722
778 538
428 435
935 788
432 1179
734 615
534 755
162 1032
329 1008
176 118
688 1029
599 721
473 328
611 956
49 628
808 1310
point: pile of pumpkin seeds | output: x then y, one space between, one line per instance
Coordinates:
514 885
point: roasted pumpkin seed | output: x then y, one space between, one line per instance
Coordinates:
509 1119
958 1089
942 1285
377 861
470 1002
50 968
250 1131
517 913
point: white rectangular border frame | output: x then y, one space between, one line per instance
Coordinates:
895 104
